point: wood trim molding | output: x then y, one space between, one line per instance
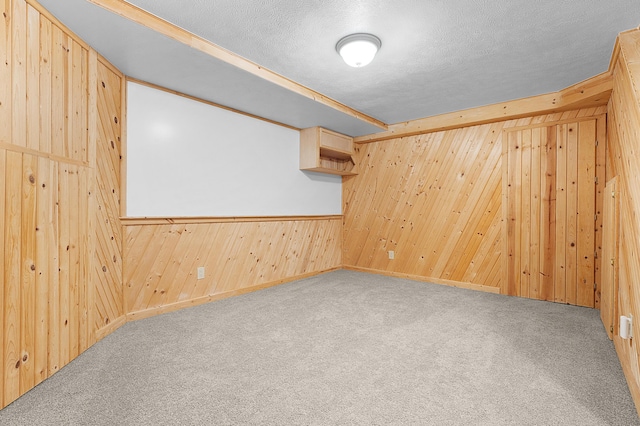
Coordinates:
113 326
553 123
449 283
36 153
133 221
587 94
137 315
161 26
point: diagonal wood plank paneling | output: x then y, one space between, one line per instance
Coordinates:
436 201
162 259
108 251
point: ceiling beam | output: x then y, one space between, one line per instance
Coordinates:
589 93
146 19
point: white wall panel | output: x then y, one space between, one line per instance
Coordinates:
188 158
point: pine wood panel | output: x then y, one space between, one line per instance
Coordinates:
50 183
108 250
437 200
584 95
623 149
162 259
610 257
567 175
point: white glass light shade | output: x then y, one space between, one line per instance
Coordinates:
358 50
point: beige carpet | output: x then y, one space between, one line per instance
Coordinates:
345 348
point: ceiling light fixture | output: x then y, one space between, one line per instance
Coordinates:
358 50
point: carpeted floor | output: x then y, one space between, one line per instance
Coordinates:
345 348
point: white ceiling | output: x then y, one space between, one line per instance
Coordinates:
437 56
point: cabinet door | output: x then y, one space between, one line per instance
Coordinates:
335 141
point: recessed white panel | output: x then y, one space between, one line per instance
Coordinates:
188 158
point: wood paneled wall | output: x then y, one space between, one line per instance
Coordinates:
52 195
109 305
162 258
436 200
623 153
550 209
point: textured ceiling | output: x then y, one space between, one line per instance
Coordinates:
437 56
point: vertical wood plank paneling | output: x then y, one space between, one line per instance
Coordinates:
46 41
49 218
558 232
548 223
560 282
19 73
59 102
3 217
513 153
6 63
601 175
64 244
73 319
536 211
28 276
78 81
12 269
572 212
525 239
53 349
586 243
33 78
5 137
44 256
84 261
610 262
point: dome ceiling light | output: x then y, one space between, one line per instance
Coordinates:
358 50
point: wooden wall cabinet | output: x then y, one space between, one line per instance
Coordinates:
324 151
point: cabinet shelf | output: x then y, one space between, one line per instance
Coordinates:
324 151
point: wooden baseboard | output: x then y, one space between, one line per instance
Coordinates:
110 328
634 388
468 286
146 313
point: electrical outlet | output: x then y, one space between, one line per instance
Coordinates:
200 272
392 254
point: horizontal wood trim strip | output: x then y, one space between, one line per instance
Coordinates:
138 315
553 123
213 104
593 92
133 221
155 23
113 326
42 154
468 286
